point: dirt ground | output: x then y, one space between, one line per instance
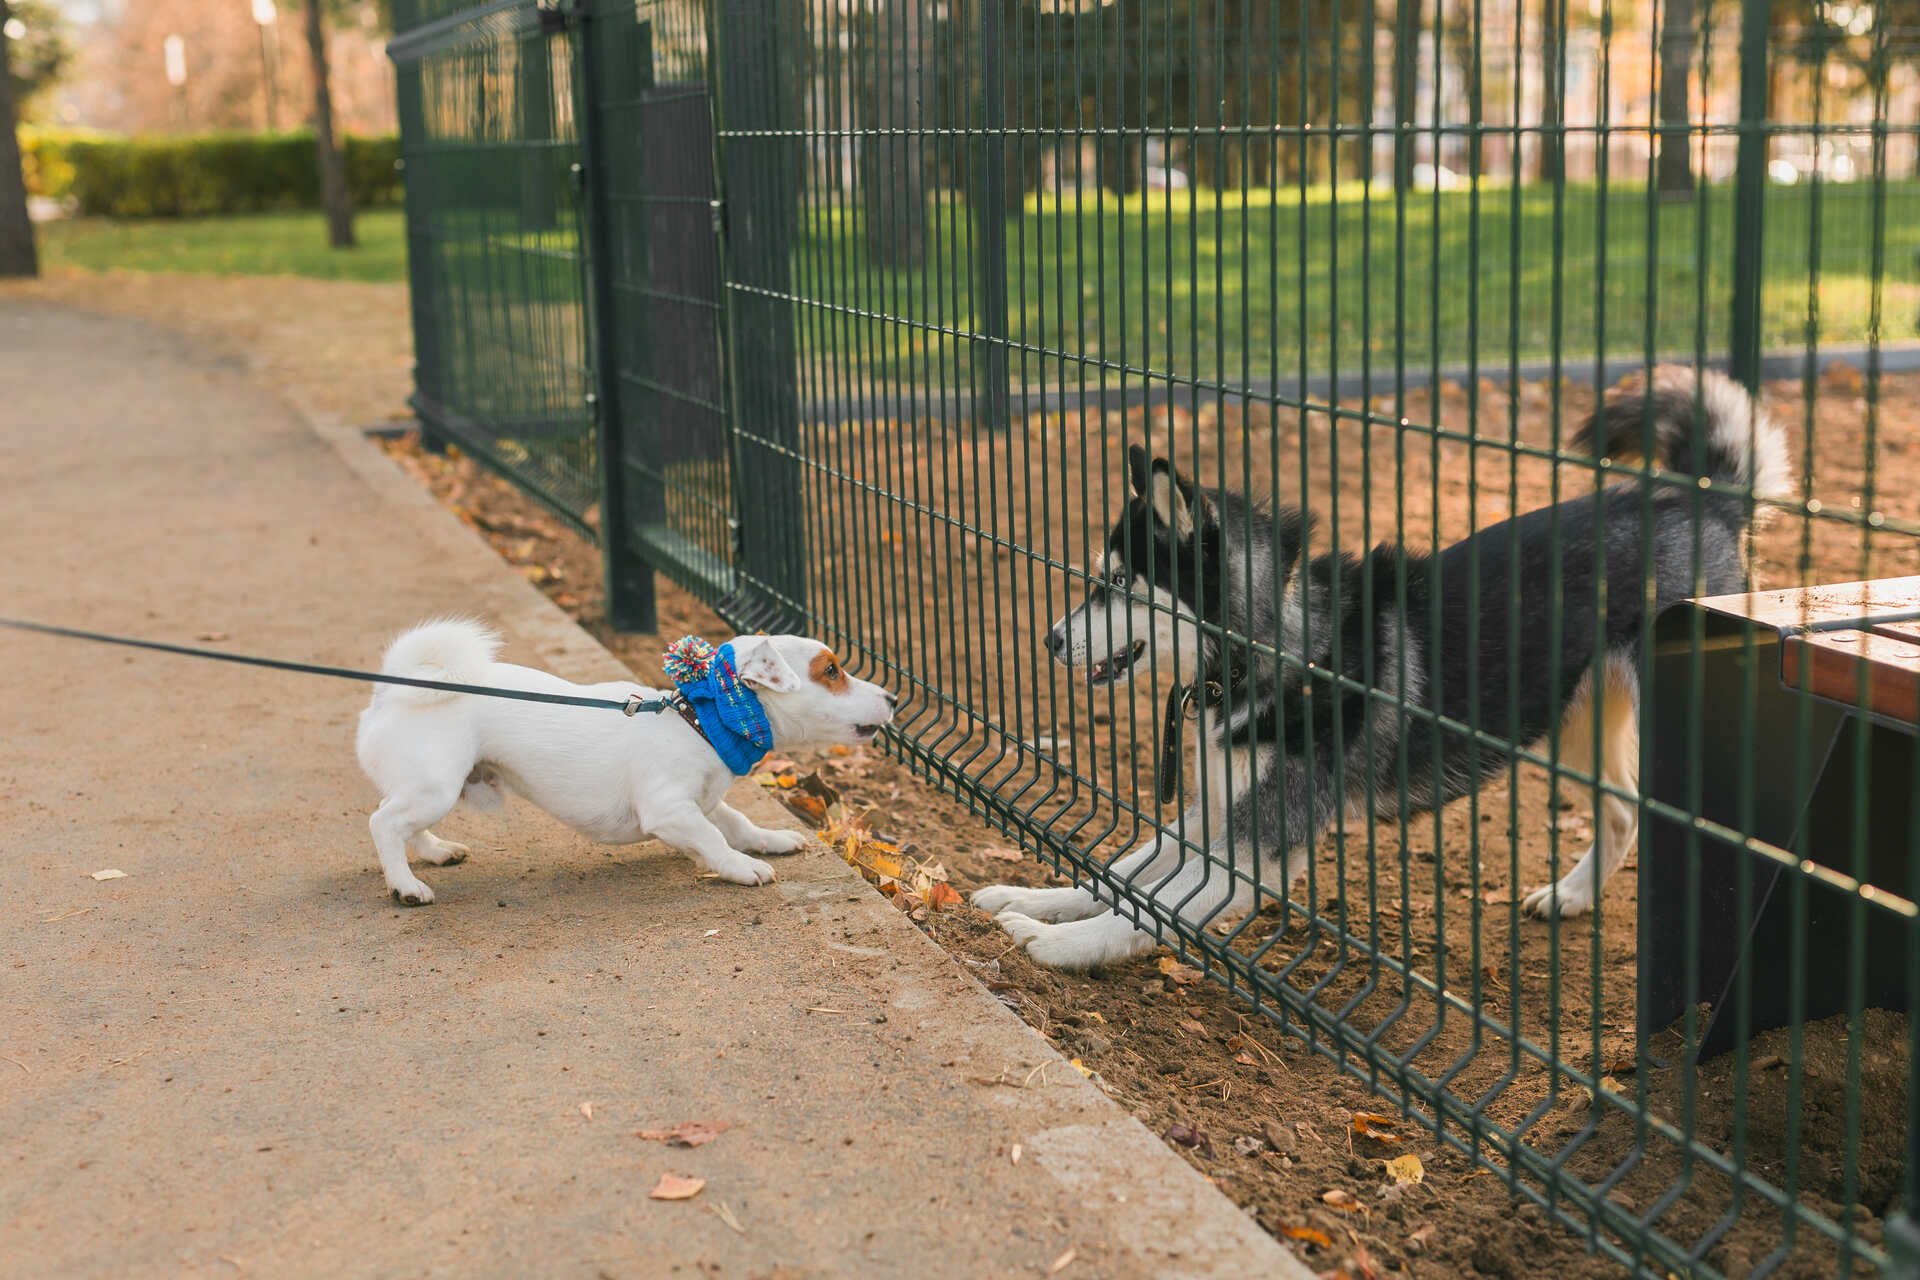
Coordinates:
1283 1129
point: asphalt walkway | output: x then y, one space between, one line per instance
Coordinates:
241 1059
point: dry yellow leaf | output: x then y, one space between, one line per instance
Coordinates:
1406 1168
674 1187
1081 1067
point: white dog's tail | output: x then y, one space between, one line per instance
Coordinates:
458 650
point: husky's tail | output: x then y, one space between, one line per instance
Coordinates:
458 650
1738 443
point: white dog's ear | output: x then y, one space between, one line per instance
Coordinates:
760 664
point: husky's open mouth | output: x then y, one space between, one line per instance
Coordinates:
1116 666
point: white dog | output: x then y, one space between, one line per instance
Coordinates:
616 779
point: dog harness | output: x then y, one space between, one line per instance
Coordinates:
716 703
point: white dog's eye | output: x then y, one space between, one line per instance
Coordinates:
1119 575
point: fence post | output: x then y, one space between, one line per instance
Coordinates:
1749 194
630 605
758 137
988 190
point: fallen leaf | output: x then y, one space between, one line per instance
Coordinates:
786 781
719 1209
586 1109
1014 1155
941 895
1188 1024
1081 1067
779 767
1003 855
1180 973
812 808
709 933
1312 1235
1061 1263
674 1187
1406 1168
1368 1125
1340 1199
688 1133
110 874
1191 1138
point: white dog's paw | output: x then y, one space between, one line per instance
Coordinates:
741 869
1571 897
777 842
410 893
440 853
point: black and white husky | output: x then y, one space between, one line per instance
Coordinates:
1373 649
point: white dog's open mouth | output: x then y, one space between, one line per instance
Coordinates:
1116 666
865 732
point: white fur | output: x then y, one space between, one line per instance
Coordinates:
1619 827
614 778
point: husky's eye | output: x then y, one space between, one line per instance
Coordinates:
1119 576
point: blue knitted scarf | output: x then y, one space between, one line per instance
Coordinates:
730 712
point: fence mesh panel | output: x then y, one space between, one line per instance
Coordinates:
1376 264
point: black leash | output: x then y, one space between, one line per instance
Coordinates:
1184 703
633 704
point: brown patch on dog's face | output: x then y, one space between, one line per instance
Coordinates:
825 671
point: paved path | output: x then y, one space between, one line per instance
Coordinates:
241 1060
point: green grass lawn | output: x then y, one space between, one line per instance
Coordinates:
1197 286
1216 290
265 244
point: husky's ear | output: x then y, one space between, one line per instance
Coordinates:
761 665
1139 472
1177 500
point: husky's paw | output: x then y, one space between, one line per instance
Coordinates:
1022 929
740 869
777 842
411 893
1039 904
996 898
1081 944
1571 897
433 850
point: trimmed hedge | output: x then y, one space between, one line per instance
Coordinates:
203 174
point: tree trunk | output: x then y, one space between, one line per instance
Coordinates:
1406 89
333 166
1674 175
1553 148
892 175
17 256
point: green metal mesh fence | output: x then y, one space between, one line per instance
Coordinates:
858 309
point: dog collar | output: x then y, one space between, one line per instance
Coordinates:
715 702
